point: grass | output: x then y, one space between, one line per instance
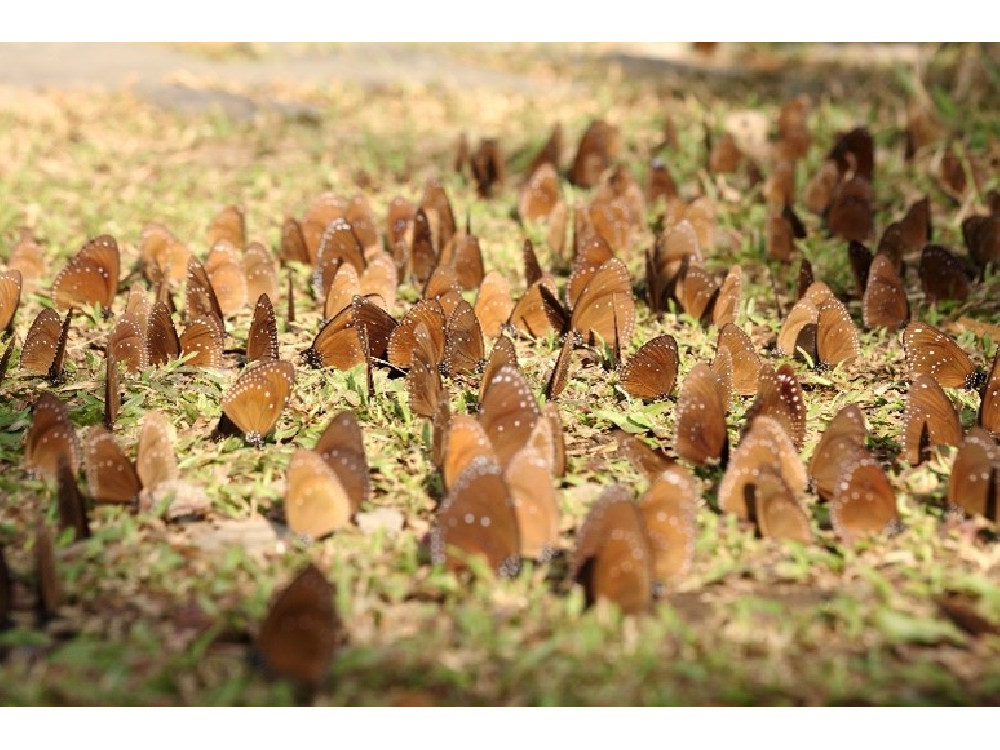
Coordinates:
159 613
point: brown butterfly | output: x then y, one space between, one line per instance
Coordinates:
659 183
255 401
981 235
26 257
701 434
929 419
111 477
650 462
128 340
864 501
805 278
972 485
229 226
851 214
201 341
668 513
435 201
551 152
72 503
201 297
885 304
746 362
339 245
613 559
316 503
942 275
854 151
560 371
493 303
44 347
842 442
293 243
338 343
380 279
342 447
818 192
48 590
464 440
929 351
224 267
508 412
402 340
989 398
260 271
10 297
652 370
539 312
51 434
463 348
779 395
536 505
164 256
488 169
300 633
540 194
606 308
599 146
90 277
860 258
423 381
477 518
592 253
155 462
262 338
503 353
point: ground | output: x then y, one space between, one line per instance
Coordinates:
106 139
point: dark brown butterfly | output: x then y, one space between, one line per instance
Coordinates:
291 301
779 395
860 258
255 401
488 169
423 381
51 434
201 341
982 239
262 339
493 303
48 590
5 359
536 504
508 412
477 518
592 253
229 225
989 398
818 192
854 151
864 501
599 147
606 307
885 304
652 370
402 341
112 389
338 344
613 559
72 503
746 363
300 633
465 258
929 419
45 345
679 244
111 477
463 347
972 485
342 447
90 277
435 201
842 441
942 275
701 434
659 182
338 245
201 297
560 371
928 351
10 297
851 215
162 342
805 278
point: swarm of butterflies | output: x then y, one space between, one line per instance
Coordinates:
501 465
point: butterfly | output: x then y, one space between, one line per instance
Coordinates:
972 484
463 348
746 362
48 590
884 304
90 277
316 503
503 353
260 272
435 201
660 184
164 257
488 168
10 297
201 299
929 351
606 308
652 370
539 312
464 440
44 347
989 398
402 340
676 246
155 463
644 459
560 371
262 338
854 151
72 503
613 559
465 258
942 275
805 278
342 446
981 235
508 412
299 635
26 257
255 401
793 129
819 325
224 267
5 359
493 303
338 246
598 148
701 433
51 434
129 339
293 243
929 419
818 192
779 395
229 226
423 381
338 343
851 214
323 211
201 341
477 518
536 505
111 477
591 254
842 442
772 505
540 194
864 501
668 510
